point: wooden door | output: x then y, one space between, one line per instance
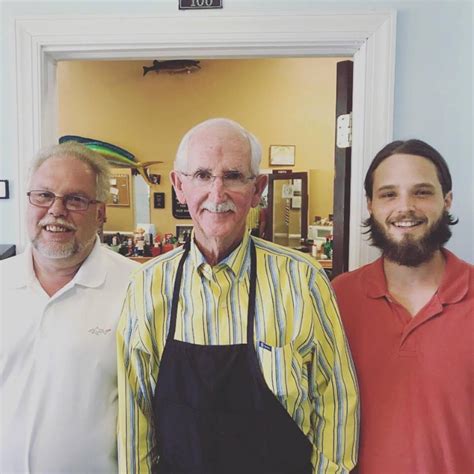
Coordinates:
342 169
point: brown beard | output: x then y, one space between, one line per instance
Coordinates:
410 252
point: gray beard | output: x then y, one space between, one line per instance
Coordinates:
59 250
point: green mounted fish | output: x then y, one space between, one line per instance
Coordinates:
116 156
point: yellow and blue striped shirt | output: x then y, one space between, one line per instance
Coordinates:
305 357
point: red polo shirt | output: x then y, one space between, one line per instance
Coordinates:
415 374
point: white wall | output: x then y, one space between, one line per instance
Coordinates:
433 97
433 85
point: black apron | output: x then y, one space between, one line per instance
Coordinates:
213 411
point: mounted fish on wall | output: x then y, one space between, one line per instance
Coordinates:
117 157
173 66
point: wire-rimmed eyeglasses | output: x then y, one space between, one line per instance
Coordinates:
72 202
230 179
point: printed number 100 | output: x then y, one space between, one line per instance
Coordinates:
201 3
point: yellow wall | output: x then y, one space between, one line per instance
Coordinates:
283 101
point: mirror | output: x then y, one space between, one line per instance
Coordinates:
141 194
287 222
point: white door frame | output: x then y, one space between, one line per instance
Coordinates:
366 36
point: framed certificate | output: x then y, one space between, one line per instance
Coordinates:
282 155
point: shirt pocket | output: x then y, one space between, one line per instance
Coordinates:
282 368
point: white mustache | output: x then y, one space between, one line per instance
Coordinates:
221 207
59 221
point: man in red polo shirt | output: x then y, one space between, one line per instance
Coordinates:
409 319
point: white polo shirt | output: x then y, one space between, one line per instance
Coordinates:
58 380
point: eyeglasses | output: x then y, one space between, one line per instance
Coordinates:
230 179
72 202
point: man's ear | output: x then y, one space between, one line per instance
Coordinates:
448 200
261 182
101 213
369 205
178 186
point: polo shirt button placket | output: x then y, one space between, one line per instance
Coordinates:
408 344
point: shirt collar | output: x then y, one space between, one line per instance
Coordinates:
93 270
453 287
236 262
23 273
455 282
374 279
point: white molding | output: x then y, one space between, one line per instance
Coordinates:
367 36
28 91
374 74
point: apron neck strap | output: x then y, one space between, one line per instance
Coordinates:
176 288
252 291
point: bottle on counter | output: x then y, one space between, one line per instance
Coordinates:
327 248
314 249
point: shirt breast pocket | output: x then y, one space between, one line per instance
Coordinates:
283 370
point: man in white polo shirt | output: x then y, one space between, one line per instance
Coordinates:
60 302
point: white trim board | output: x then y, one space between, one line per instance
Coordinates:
369 37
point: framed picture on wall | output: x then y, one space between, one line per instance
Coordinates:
159 200
180 211
4 191
119 191
183 232
282 155
154 178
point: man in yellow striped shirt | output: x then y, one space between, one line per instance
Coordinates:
231 354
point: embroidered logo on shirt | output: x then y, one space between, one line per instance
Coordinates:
97 331
264 346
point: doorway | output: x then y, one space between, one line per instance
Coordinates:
367 36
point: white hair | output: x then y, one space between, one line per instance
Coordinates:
95 161
255 147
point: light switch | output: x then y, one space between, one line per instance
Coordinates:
4 191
